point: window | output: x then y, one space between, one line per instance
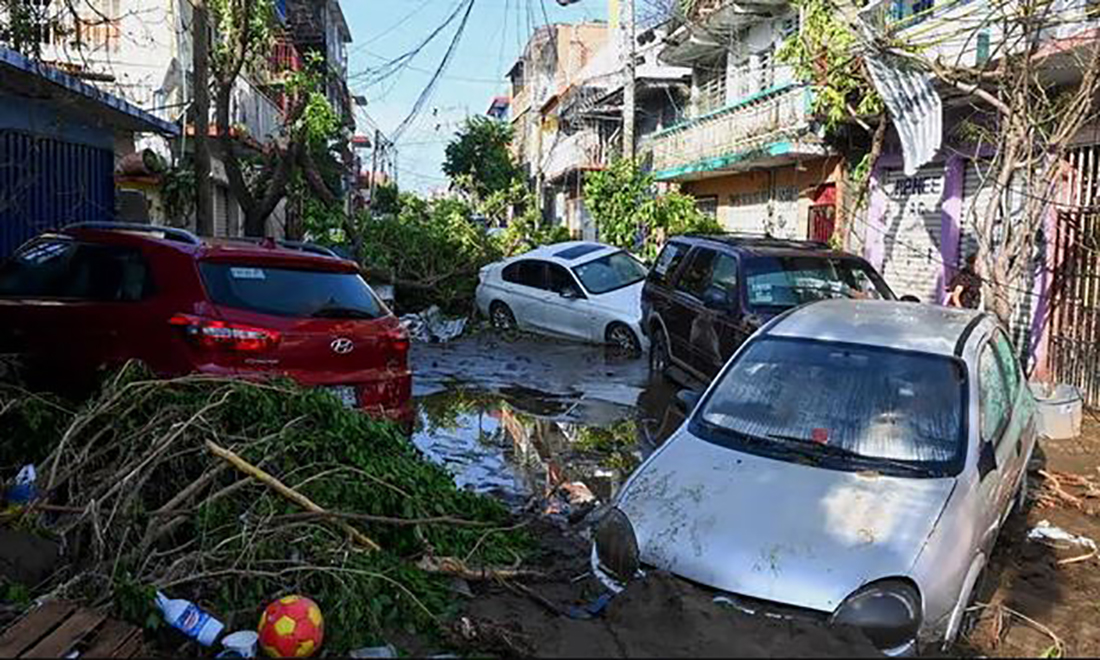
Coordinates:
792 281
527 272
615 271
765 70
668 262
707 205
850 407
107 273
290 292
994 395
724 275
1009 364
560 280
578 251
64 269
696 277
37 270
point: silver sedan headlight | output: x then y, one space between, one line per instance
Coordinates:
617 546
888 613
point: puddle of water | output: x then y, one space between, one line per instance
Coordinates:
564 414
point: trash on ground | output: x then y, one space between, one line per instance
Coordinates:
190 619
60 629
1056 537
591 610
387 651
23 489
430 326
292 627
241 644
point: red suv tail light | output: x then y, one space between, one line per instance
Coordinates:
398 340
214 334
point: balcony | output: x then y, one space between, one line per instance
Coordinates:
580 151
766 129
699 38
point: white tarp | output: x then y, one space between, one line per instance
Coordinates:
914 105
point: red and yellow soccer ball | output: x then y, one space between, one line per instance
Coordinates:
291 627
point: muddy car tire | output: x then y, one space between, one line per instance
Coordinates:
623 338
659 357
501 316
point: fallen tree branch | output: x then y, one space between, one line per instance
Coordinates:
385 520
458 568
282 489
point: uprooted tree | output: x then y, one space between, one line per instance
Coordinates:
1030 97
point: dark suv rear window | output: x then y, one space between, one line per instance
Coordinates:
290 292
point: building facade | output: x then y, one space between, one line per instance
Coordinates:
748 149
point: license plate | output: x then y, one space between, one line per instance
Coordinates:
346 394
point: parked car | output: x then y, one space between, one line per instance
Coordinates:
578 290
101 294
706 294
852 464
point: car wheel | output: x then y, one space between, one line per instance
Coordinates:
623 338
501 316
659 358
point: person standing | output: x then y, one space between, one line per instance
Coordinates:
965 289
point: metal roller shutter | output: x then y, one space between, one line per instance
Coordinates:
913 226
221 211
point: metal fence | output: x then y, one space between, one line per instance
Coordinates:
47 183
1074 352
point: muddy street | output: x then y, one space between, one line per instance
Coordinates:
519 417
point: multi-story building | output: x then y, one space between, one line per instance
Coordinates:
583 125
318 28
141 51
748 148
554 56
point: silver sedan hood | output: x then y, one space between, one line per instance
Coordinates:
626 301
784 532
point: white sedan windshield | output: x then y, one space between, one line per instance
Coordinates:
842 401
614 271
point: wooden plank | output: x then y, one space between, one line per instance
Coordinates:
62 640
133 647
33 627
112 636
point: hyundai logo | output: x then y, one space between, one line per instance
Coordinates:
342 346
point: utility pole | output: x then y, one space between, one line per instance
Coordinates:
626 21
374 171
200 44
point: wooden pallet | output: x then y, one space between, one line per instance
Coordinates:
56 629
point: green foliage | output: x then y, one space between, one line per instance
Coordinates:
823 53
136 602
630 215
616 445
232 553
386 199
242 28
478 160
178 192
24 421
525 232
431 249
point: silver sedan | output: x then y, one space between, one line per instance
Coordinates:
853 463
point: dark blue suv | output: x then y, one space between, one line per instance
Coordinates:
706 294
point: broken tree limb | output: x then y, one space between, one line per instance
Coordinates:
282 489
458 568
385 520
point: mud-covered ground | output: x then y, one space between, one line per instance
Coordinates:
554 428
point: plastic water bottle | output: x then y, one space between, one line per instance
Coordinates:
185 616
22 492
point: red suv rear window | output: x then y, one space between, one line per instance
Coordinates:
290 292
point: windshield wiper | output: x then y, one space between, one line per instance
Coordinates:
338 312
810 447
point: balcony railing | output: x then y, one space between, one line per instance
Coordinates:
579 151
732 133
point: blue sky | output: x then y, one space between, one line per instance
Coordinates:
494 38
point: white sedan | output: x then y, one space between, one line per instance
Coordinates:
578 290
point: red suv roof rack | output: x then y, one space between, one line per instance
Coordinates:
171 233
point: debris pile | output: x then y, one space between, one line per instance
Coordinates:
1070 490
231 493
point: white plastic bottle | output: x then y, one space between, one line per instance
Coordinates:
185 616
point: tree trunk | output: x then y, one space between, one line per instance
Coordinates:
204 194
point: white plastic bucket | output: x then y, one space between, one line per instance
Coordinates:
1060 410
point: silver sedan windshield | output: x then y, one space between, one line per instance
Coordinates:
854 407
614 271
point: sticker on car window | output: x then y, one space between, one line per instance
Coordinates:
247 273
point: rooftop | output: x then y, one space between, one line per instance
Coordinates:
899 325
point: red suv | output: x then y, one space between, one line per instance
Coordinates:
100 294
